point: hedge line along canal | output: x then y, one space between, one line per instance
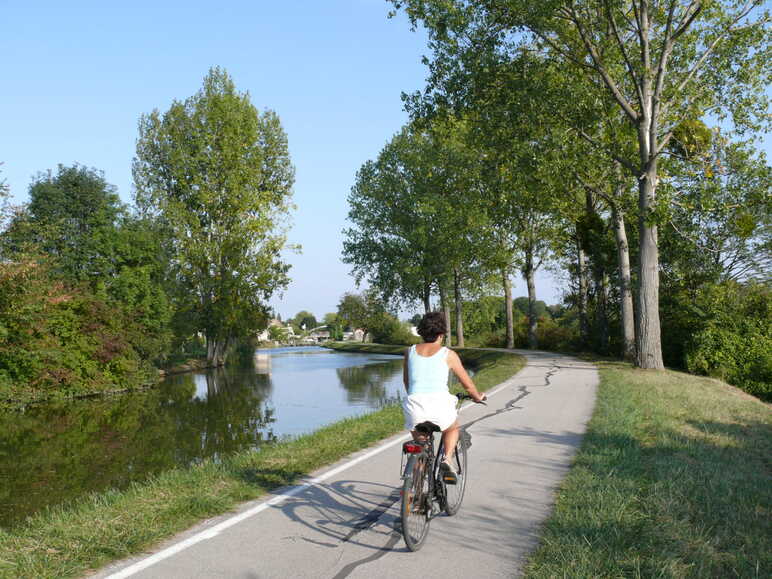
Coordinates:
52 453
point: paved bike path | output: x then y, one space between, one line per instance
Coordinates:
347 525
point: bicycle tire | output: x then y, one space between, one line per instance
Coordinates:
416 504
454 494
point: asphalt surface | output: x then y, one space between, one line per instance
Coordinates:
346 523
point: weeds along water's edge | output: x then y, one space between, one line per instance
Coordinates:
69 540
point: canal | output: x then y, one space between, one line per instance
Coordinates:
53 453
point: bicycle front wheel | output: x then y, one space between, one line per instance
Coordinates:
416 505
454 494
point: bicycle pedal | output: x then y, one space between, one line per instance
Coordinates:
449 479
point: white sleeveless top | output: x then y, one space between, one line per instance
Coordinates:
427 375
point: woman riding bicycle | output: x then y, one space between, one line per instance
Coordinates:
425 374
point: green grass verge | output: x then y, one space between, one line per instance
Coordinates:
672 480
69 541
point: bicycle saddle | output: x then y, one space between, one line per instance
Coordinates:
427 427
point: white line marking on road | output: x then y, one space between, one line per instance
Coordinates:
276 500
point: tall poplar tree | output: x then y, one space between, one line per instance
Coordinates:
217 174
392 213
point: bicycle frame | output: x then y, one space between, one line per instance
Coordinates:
435 491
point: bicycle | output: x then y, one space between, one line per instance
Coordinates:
425 492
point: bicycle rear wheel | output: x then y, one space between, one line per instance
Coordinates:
454 494
416 505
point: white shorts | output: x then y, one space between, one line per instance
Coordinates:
437 407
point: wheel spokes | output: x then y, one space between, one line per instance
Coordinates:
415 517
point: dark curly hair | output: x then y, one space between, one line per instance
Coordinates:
432 325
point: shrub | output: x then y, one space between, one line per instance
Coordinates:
59 339
549 335
386 329
488 339
734 340
554 337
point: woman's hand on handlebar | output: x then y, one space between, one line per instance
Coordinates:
481 398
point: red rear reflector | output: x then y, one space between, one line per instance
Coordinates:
412 448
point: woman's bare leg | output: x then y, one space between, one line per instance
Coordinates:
449 439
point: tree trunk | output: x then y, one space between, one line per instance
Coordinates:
427 298
528 273
648 336
584 324
215 352
220 351
508 309
625 285
210 347
445 304
602 312
459 311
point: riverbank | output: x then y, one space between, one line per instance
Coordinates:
672 480
26 397
190 365
68 541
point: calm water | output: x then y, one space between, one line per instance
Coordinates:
52 453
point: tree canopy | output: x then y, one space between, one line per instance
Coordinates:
217 175
73 216
647 69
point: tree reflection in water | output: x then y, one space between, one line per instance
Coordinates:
55 452
366 384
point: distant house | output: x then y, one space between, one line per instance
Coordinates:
264 336
355 336
359 335
319 335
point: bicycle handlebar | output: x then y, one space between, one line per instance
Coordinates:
468 397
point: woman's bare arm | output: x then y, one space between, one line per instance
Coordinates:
454 362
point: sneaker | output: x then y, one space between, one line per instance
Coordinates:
448 473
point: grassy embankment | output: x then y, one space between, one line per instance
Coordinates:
69 540
672 480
